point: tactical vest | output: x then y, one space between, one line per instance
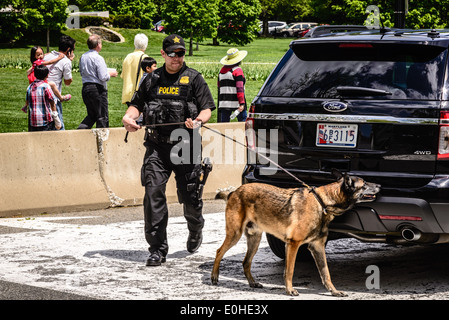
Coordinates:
170 103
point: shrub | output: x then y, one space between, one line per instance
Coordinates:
126 21
252 71
86 21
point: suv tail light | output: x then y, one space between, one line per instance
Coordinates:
250 135
443 145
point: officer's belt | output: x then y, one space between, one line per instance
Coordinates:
155 136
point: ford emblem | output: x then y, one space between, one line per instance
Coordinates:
335 106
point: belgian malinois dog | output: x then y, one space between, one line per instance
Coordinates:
296 216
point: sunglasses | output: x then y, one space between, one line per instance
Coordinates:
172 54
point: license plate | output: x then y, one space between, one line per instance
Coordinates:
336 135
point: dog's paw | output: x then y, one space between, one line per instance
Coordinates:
292 292
256 285
339 294
214 280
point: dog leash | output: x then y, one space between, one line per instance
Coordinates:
309 188
155 126
259 154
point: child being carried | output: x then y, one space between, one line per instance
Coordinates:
37 58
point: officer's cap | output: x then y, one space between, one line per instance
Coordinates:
173 42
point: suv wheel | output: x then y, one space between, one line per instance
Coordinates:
278 248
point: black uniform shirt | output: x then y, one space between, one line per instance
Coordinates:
200 91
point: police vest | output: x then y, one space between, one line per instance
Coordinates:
172 103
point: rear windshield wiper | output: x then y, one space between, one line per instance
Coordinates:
362 91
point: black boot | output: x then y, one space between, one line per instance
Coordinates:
155 259
194 241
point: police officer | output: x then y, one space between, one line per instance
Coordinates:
174 94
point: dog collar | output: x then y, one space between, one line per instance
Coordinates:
318 198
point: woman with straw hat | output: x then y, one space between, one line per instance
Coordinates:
231 87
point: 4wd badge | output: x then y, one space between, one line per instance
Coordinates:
335 106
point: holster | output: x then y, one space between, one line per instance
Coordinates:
197 179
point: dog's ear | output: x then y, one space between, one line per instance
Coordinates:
348 183
337 174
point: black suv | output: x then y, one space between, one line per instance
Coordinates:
374 104
319 31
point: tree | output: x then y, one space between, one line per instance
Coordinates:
421 14
285 10
45 15
142 9
268 8
427 14
193 19
33 15
354 11
12 24
238 22
300 10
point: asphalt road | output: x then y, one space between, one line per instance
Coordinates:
101 255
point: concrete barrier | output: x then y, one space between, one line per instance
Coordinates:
93 169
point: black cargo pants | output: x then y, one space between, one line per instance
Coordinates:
156 171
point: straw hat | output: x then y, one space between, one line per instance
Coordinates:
233 56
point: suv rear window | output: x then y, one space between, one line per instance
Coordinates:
319 70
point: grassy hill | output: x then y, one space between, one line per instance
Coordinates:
263 54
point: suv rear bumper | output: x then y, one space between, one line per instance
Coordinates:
389 215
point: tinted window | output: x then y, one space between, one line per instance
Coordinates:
316 70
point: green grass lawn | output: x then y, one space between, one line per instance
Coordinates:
263 54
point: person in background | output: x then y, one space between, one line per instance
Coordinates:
148 65
36 58
95 75
42 114
62 70
231 87
131 71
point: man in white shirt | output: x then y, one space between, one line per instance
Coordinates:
62 70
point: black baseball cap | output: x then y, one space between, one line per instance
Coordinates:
173 42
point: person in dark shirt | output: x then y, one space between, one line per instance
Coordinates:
174 94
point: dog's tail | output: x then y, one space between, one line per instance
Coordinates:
224 193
